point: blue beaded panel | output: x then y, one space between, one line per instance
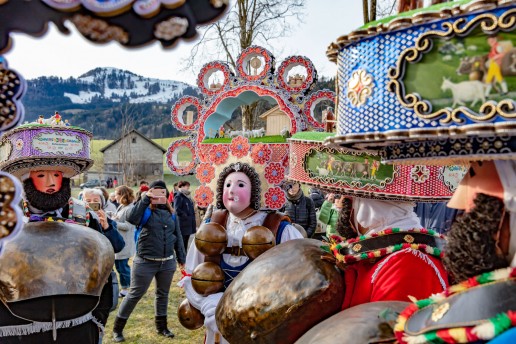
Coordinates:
382 112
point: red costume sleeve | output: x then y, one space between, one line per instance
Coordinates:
408 273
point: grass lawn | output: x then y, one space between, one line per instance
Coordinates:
265 139
140 326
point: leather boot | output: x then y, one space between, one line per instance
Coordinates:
161 326
118 327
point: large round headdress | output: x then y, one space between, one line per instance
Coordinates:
45 147
435 87
363 174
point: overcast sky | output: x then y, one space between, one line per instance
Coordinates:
72 55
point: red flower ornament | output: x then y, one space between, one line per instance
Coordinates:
274 198
218 154
205 172
203 196
239 146
261 153
274 173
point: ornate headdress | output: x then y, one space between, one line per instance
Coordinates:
364 175
45 147
238 155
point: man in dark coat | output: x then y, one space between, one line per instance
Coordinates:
185 211
317 197
301 209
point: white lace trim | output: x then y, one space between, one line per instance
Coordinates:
418 254
35 327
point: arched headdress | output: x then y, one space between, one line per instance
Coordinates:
265 175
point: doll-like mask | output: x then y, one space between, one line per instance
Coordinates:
236 194
48 182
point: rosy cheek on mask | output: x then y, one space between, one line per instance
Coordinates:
236 194
47 181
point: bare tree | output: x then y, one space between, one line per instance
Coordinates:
369 10
248 22
126 161
377 9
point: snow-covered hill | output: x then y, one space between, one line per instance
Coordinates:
117 85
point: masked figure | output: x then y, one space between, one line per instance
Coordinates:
238 214
393 259
480 258
55 275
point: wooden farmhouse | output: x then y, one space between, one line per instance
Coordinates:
133 157
276 120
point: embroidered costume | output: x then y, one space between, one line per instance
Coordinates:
58 269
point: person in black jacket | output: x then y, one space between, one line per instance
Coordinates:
317 197
185 211
300 208
155 259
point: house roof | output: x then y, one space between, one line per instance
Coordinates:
102 150
271 111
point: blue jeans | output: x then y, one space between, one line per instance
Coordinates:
124 271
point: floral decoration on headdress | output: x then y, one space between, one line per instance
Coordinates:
242 152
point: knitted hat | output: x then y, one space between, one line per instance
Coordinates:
158 184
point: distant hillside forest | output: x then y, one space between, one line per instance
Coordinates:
101 115
106 116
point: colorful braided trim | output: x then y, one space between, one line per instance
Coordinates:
70 219
336 243
485 331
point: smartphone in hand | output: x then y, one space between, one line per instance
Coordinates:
95 206
159 196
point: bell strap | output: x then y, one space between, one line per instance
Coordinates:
235 251
383 241
467 308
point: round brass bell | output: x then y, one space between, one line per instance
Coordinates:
211 239
189 316
257 240
207 278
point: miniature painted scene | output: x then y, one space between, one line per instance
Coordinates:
374 204
468 71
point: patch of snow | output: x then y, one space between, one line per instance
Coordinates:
169 89
81 98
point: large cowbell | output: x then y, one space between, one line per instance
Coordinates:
280 295
58 268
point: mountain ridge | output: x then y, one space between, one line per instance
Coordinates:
106 98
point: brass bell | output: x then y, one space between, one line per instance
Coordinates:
257 240
207 278
211 239
189 316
